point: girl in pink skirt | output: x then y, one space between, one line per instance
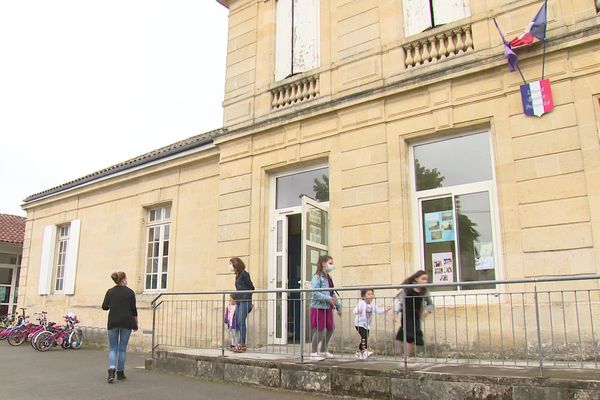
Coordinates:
321 308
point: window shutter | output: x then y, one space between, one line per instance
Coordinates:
71 261
417 16
283 39
307 16
47 259
446 11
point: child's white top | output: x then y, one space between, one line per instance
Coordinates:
364 313
230 314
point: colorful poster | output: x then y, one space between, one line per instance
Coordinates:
484 255
443 267
439 226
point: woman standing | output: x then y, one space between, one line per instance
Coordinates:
122 319
321 308
416 303
244 300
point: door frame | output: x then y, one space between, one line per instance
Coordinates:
12 299
275 215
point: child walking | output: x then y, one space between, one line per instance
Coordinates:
417 304
231 321
362 321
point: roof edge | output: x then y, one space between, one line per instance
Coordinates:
224 3
155 155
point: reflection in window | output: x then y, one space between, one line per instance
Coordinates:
291 188
450 162
453 178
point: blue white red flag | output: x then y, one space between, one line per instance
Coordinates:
535 30
511 56
537 98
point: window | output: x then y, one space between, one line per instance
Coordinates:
420 15
58 263
296 37
157 254
61 257
455 198
313 183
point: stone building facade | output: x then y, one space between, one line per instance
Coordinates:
402 126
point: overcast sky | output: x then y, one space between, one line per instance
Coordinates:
85 84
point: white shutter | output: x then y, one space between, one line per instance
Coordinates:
417 16
307 16
71 261
283 39
445 11
47 259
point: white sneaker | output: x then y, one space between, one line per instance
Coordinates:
315 357
329 355
367 354
358 355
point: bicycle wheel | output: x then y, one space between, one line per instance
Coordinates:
76 339
44 341
34 339
17 338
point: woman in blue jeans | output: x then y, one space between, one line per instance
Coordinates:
122 319
244 300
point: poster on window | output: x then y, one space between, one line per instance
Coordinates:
443 267
439 226
484 255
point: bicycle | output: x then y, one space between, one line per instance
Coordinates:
67 336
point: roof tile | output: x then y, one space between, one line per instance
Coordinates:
12 228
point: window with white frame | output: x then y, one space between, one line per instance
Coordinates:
455 198
157 251
58 258
420 15
296 37
62 243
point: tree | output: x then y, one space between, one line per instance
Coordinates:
427 178
321 188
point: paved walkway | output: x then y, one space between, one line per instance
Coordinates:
26 374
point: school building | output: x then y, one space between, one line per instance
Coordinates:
388 133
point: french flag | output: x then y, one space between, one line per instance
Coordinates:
537 98
535 30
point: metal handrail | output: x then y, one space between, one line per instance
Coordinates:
381 287
304 299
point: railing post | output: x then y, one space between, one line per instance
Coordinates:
404 333
153 305
302 324
539 330
222 326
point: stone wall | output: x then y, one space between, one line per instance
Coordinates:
381 382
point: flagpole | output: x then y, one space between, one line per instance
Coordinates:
522 76
545 40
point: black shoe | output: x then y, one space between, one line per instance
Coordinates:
121 375
111 375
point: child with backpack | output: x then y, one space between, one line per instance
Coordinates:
231 321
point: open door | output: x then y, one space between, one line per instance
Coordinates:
315 243
315 236
279 279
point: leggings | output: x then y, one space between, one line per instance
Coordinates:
364 336
323 336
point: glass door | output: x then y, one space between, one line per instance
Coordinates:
315 243
279 279
7 284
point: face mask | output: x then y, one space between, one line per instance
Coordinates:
330 268
231 269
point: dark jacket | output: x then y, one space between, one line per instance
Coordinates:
120 301
243 282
